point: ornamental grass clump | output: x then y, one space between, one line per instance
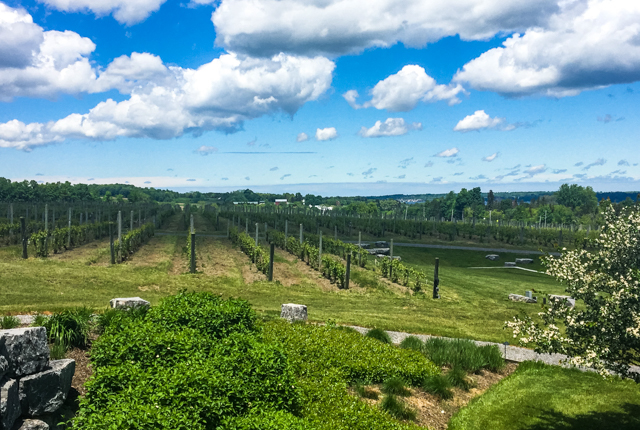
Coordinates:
396 408
396 386
458 378
412 342
379 334
70 328
438 385
8 322
364 392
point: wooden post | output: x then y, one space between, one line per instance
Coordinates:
191 224
139 218
23 232
193 251
335 232
360 248
131 221
320 253
46 229
69 237
348 274
246 225
301 234
286 232
227 229
271 252
436 280
256 234
119 236
11 219
113 253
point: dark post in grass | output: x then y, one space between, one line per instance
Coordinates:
348 274
23 234
272 248
193 250
111 248
436 281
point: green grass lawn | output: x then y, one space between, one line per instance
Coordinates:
541 397
474 303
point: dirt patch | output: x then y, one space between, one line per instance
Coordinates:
83 369
434 413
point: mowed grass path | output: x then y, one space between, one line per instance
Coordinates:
474 303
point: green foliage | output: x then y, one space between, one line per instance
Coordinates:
458 378
412 342
464 354
380 335
57 350
8 322
70 328
267 420
134 239
58 239
396 408
39 320
438 385
258 255
193 362
396 386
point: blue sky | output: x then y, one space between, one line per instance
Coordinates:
331 97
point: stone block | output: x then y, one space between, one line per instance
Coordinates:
46 391
30 424
4 366
25 349
492 257
524 260
519 298
128 303
509 264
292 312
9 404
568 299
381 244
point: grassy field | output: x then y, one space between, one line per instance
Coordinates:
474 303
541 397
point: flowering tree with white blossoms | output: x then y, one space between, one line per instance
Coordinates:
604 334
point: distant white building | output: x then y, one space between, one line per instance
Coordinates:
282 202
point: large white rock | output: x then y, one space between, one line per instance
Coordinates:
128 303
25 349
568 299
519 298
46 391
510 264
292 312
9 404
492 257
30 424
524 260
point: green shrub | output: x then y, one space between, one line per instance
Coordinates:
267 420
464 354
8 322
117 317
379 334
412 342
397 408
458 378
493 357
314 349
70 327
395 385
39 320
438 385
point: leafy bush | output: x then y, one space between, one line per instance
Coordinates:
267 420
412 342
8 322
397 408
39 320
438 385
70 327
395 385
379 334
464 354
134 239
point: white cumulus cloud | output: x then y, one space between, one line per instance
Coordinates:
337 27
206 150
328 133
536 170
219 95
390 127
491 157
302 137
124 11
448 153
402 91
480 120
587 44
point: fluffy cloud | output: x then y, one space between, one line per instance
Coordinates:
402 92
587 44
328 133
598 162
368 174
480 120
490 158
453 152
206 150
536 170
124 11
623 163
391 127
336 27
219 95
302 137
